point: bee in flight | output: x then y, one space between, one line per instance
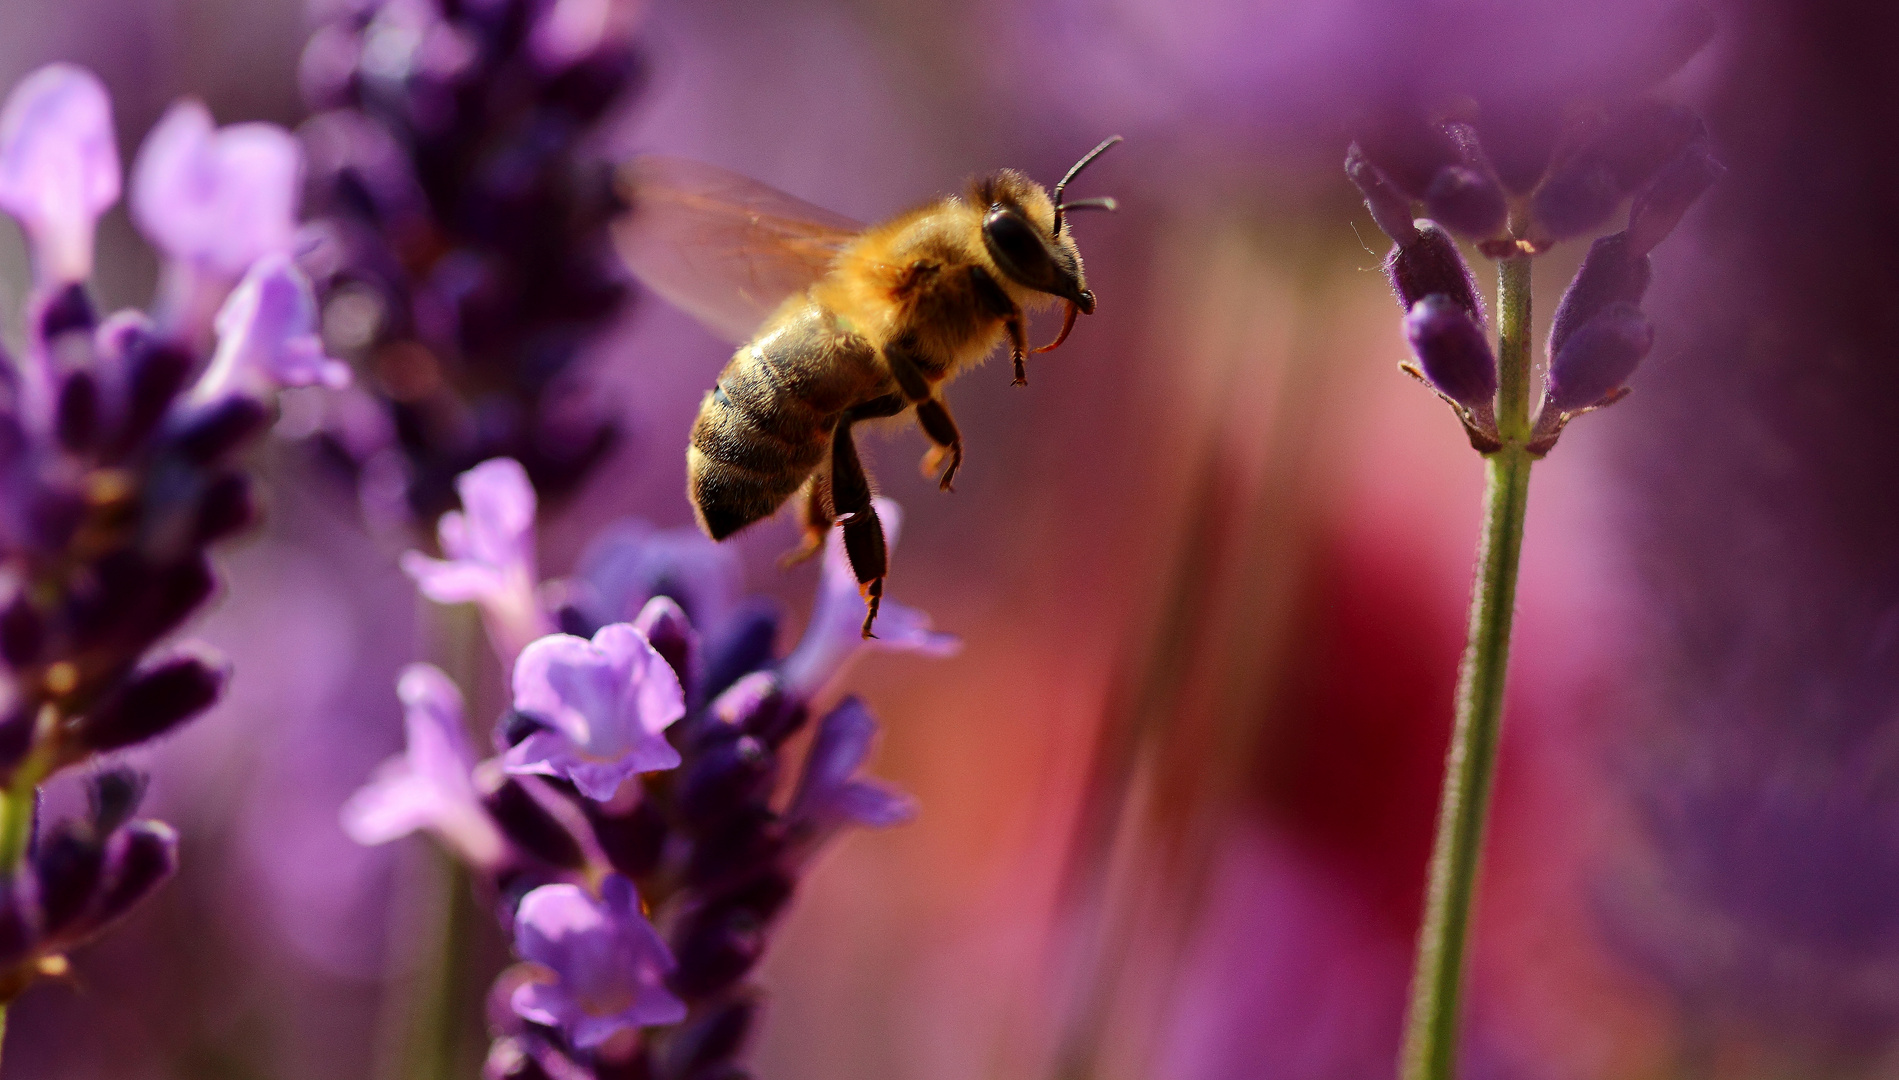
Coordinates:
841 323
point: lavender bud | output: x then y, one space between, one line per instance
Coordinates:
1389 207
514 726
155 701
712 1038
1466 201
1660 206
1408 150
225 508
1611 273
157 374
1598 358
181 588
113 796
139 859
717 947
215 430
736 848
22 632
528 824
1453 350
77 414
69 864
67 311
744 643
725 777
1432 265
632 841
666 628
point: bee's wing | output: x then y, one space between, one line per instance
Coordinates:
722 248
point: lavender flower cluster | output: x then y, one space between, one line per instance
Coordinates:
118 445
1515 180
464 209
629 825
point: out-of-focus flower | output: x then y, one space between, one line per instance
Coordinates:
430 785
267 336
603 964
829 792
213 201
834 636
489 545
607 703
59 167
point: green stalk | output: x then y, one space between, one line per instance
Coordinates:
16 821
1430 1044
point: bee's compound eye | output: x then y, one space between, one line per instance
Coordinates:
1017 248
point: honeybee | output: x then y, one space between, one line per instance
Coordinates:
841 323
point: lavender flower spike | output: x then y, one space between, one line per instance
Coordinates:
604 966
834 635
267 336
213 202
490 547
829 795
430 785
59 167
606 704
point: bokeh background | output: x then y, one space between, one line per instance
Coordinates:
1210 568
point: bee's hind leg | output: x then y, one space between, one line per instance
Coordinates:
863 533
817 518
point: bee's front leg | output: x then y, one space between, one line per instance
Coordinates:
1018 348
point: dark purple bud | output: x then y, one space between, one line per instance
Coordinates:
22 632
226 508
67 311
717 944
1453 350
1598 358
77 413
215 430
712 1038
744 643
134 603
1609 274
158 372
182 588
1518 139
736 849
69 864
531 827
155 701
514 726
1432 265
1579 196
1466 201
138 860
1408 149
726 776
1389 207
632 841
1645 137
1659 207
666 627
113 796
17 932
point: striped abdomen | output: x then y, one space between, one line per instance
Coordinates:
768 422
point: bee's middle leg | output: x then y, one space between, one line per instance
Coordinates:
932 415
817 517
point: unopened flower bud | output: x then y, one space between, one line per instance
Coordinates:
725 776
113 796
716 948
633 841
155 701
745 642
1660 206
1466 201
1611 273
1389 207
225 508
712 1038
1408 149
218 428
666 627
1453 351
69 864
139 858
529 825
1598 358
1432 265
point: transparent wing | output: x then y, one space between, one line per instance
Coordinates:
722 248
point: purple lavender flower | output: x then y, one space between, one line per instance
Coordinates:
430 785
267 336
1453 351
489 545
604 966
829 794
606 704
214 202
59 167
834 636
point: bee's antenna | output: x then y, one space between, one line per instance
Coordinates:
1080 165
1104 202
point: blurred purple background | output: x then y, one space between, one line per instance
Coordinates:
1210 569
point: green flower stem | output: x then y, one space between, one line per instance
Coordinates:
16 823
1430 1045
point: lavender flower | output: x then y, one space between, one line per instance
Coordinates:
604 965
605 702
463 221
116 475
640 759
490 549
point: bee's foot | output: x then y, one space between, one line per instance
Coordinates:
873 593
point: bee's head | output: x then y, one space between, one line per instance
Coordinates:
1026 233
